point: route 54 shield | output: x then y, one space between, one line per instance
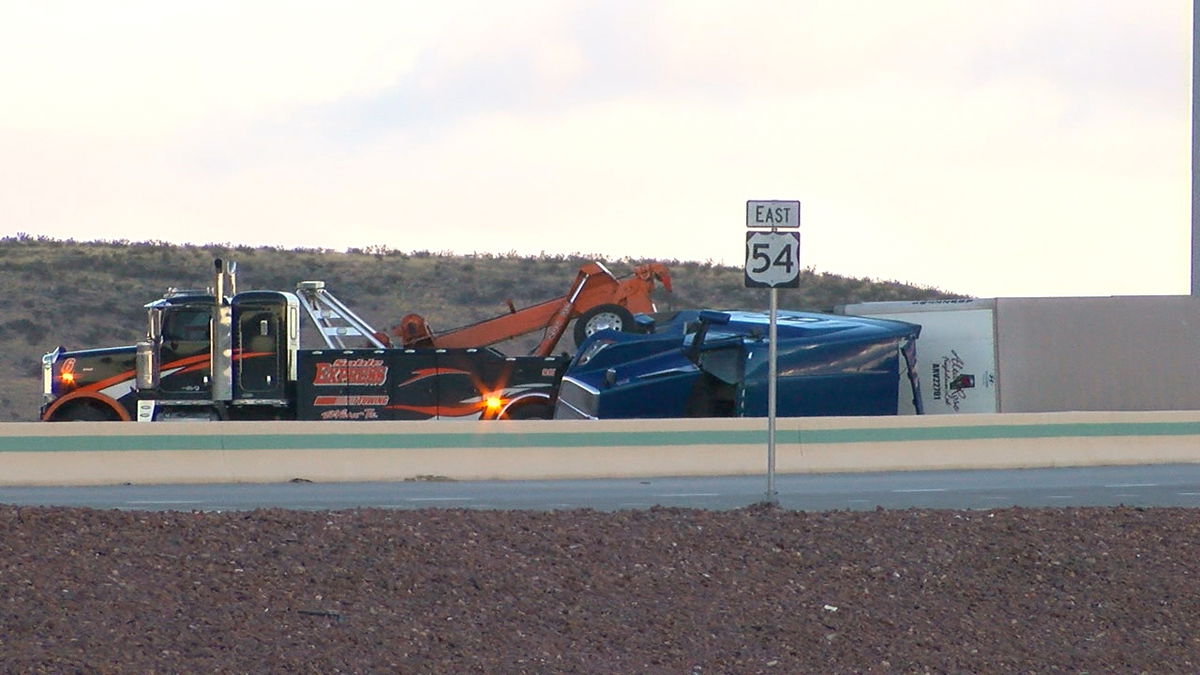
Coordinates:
772 259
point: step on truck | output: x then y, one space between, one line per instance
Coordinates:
218 354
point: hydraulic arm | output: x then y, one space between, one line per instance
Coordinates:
594 292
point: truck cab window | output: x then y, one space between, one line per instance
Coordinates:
186 325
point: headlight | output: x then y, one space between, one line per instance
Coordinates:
48 373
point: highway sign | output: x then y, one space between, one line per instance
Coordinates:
772 259
772 213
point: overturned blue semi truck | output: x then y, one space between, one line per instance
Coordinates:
705 363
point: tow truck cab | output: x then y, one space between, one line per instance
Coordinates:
230 360
200 359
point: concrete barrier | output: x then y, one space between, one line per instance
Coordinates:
236 452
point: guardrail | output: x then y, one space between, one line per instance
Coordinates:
239 452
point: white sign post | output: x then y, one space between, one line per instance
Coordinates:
772 261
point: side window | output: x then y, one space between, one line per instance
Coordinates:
186 325
260 332
184 352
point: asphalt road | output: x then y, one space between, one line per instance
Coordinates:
1145 485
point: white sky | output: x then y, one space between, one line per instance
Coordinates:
999 148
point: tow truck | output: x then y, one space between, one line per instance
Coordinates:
220 354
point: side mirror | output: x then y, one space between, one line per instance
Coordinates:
154 324
644 323
707 318
719 318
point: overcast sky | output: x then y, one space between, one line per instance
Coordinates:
998 148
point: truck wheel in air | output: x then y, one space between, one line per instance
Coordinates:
601 317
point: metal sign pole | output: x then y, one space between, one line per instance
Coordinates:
772 497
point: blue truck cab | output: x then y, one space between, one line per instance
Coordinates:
705 363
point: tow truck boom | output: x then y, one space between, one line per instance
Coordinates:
596 298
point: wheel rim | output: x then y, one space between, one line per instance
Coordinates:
602 321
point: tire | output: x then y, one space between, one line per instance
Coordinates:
600 317
85 412
529 411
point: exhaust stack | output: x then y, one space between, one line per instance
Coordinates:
222 330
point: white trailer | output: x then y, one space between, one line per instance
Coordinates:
1053 354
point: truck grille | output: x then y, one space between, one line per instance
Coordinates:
575 401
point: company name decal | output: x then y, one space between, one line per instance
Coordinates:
343 414
351 372
350 400
951 385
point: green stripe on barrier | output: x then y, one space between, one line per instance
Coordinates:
1001 431
108 443
218 441
366 441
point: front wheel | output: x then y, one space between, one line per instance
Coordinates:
601 317
85 412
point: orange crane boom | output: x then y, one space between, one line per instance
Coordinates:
596 298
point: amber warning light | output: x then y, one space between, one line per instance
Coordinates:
493 403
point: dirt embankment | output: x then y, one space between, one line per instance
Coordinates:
757 590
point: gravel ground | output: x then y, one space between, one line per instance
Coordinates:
755 590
